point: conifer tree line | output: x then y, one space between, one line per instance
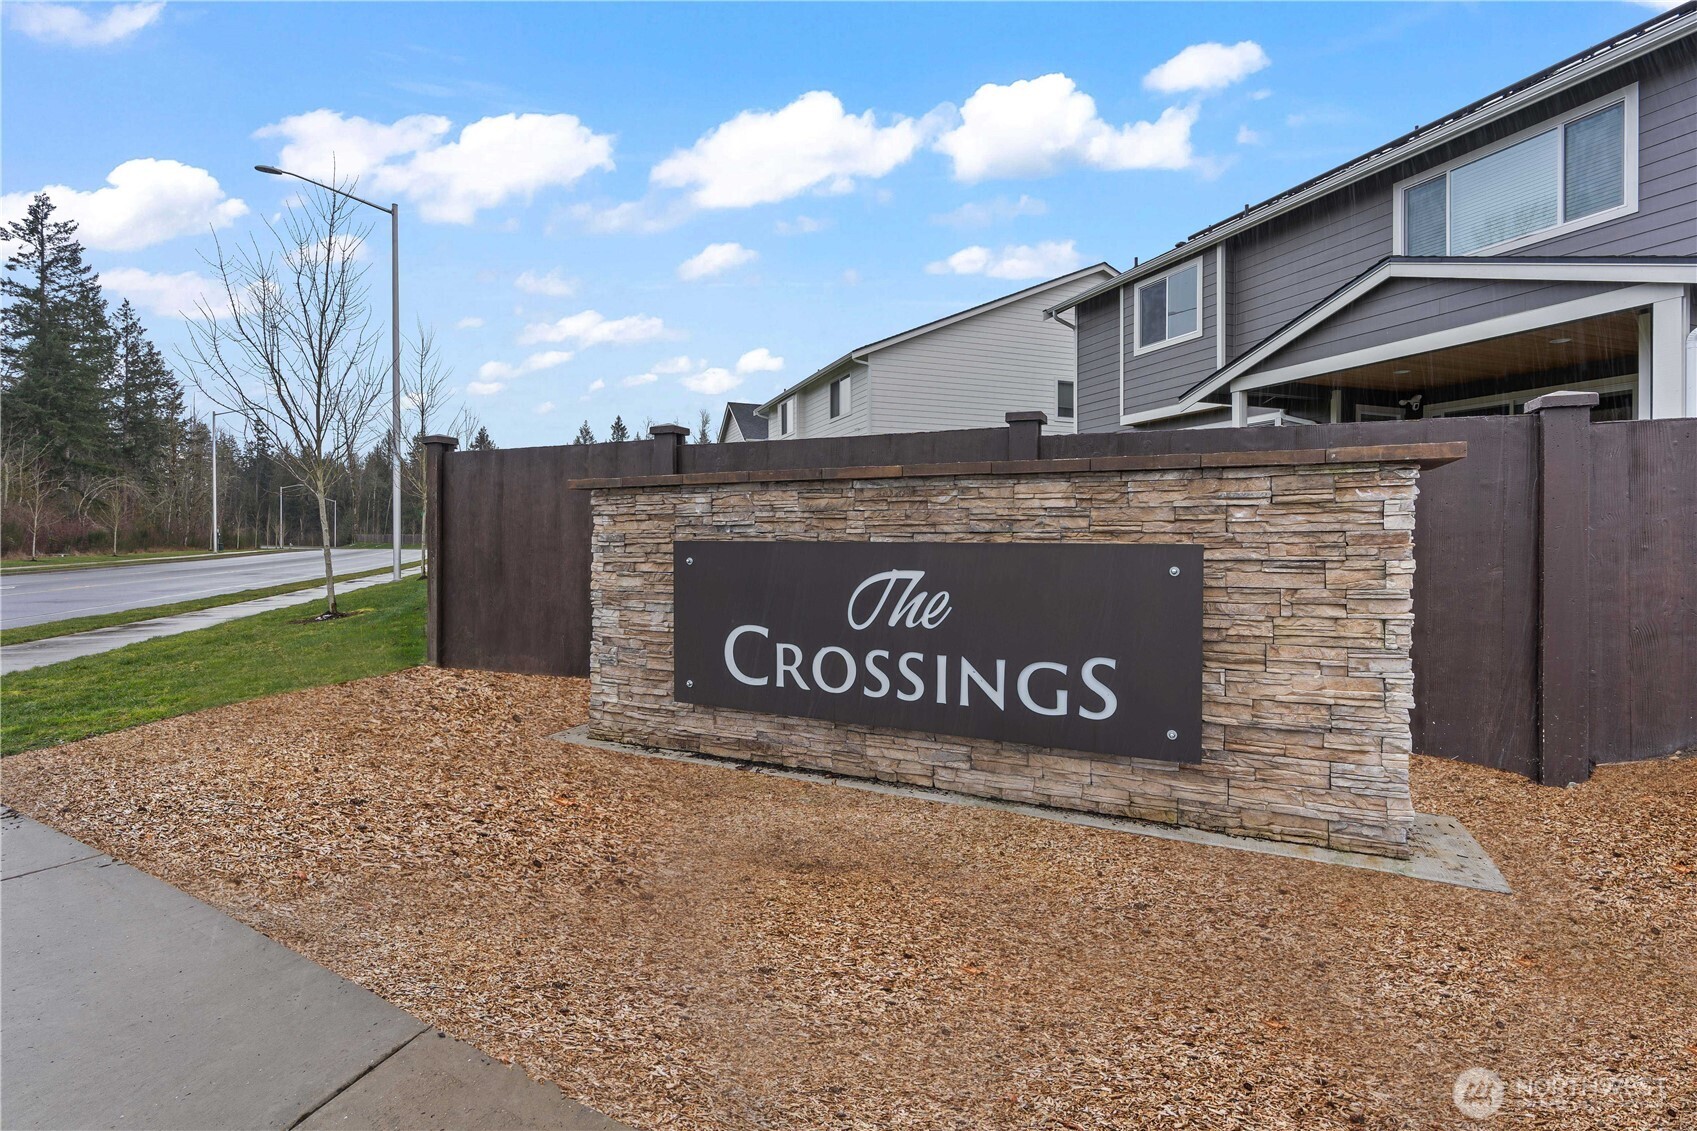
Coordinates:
100 449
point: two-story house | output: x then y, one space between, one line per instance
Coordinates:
1542 238
967 370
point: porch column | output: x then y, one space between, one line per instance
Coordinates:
1662 381
1240 409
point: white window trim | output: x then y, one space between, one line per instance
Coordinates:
786 416
1138 349
1629 198
1066 423
845 401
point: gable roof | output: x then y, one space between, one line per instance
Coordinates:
751 425
1567 268
1631 44
860 352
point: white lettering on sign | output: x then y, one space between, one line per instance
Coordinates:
918 610
897 590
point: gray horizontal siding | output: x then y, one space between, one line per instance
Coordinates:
1098 364
973 373
1407 308
1280 270
815 404
1157 378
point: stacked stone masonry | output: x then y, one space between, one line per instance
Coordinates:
1307 624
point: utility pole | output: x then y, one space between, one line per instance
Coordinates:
214 481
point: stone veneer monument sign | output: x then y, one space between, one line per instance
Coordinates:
1219 641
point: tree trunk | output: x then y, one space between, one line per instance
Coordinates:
329 567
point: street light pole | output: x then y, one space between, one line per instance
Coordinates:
214 481
394 211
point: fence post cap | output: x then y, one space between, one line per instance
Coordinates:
668 430
448 442
1027 417
1561 400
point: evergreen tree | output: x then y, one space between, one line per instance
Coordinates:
56 346
146 400
481 442
585 435
618 434
702 435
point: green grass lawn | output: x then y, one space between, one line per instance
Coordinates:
227 663
23 634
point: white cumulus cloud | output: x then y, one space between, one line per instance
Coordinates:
639 379
553 284
759 361
1206 66
715 259
592 328
165 294
1034 127
484 388
470 322
762 157
544 408
1023 261
1247 136
81 27
493 160
680 364
535 363
712 382
146 201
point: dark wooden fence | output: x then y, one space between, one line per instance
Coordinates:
1555 580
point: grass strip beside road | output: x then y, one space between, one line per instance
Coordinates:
227 663
89 561
25 633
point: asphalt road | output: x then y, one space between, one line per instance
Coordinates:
35 598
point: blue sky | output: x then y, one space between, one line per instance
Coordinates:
647 209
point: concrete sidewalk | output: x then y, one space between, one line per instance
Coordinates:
127 1003
53 650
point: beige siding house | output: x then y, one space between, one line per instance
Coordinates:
968 370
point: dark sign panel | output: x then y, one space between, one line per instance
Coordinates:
1084 647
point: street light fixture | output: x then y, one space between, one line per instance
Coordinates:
394 211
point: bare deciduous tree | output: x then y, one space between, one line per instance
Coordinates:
103 501
292 350
29 483
424 400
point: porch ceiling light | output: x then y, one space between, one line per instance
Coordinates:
1401 372
1560 341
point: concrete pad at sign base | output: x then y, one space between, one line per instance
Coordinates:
438 1082
128 1003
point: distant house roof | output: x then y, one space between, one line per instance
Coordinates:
936 324
749 423
1623 48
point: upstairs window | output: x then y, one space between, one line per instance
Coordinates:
1066 406
1169 308
839 397
786 417
1579 170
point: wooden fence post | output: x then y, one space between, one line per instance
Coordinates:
1025 429
1564 586
665 440
436 449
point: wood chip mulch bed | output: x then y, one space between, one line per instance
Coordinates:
690 946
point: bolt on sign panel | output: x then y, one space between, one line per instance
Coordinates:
1095 648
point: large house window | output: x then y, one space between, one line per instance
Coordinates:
839 397
1558 176
1066 406
786 417
1169 308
